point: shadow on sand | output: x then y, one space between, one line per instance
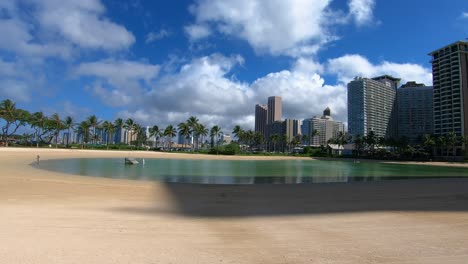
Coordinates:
196 200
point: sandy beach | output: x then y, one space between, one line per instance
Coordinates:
50 217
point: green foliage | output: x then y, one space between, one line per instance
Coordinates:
230 149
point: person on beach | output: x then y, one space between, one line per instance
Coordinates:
38 158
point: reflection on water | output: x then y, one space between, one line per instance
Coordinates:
247 172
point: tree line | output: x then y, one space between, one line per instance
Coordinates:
94 131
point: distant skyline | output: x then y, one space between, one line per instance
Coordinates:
160 62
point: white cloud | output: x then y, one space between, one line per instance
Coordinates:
303 94
196 32
155 36
351 65
83 23
306 65
464 15
204 87
361 11
15 90
120 81
278 27
21 41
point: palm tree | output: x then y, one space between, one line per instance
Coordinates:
93 122
371 140
249 137
215 132
358 144
184 130
169 133
452 142
140 134
156 133
130 127
305 139
258 139
192 122
274 139
237 131
58 126
119 123
341 139
13 117
442 143
109 128
83 130
429 143
39 122
68 125
200 132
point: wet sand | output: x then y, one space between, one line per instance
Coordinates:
50 217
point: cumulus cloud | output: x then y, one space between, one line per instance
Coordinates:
351 65
304 94
21 41
83 23
206 88
361 11
279 27
275 26
54 28
120 82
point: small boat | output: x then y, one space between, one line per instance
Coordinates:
131 161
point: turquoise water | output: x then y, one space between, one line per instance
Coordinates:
246 172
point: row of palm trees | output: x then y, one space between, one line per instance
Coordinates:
95 131
432 145
274 142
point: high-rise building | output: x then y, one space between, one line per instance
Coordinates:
291 129
415 115
450 80
372 106
321 129
261 119
275 109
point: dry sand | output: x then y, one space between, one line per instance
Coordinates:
48 217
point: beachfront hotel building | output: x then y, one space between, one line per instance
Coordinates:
372 106
415 114
275 109
450 80
261 119
291 128
326 128
267 115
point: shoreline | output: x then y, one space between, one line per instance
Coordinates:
197 156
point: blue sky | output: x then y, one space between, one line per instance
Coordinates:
160 62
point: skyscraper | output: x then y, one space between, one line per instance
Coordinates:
261 119
415 114
450 80
372 106
275 109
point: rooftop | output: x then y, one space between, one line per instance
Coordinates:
465 41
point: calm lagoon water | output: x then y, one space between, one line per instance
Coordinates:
247 172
